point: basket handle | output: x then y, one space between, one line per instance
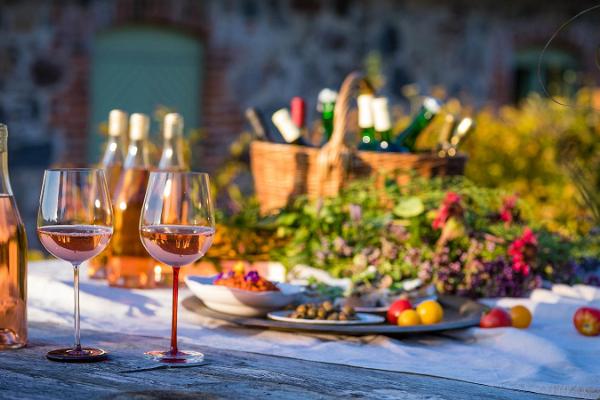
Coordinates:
332 154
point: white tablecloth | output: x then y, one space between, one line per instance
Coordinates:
550 357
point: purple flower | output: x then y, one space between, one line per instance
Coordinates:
252 276
355 212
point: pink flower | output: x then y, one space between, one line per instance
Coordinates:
508 208
522 251
450 207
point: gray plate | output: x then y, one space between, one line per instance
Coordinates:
459 313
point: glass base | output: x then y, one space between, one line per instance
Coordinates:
86 354
181 357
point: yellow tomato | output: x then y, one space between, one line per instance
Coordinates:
430 312
409 318
521 317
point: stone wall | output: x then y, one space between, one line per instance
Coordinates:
259 53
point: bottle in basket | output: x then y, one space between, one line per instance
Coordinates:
383 124
407 139
464 127
289 130
368 141
326 106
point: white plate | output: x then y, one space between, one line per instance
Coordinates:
241 302
363 319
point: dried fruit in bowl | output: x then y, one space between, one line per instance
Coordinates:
251 281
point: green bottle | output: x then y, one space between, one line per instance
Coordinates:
383 124
326 106
365 123
407 139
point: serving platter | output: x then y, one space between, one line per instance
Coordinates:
361 319
459 313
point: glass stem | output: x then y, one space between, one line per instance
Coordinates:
76 311
174 314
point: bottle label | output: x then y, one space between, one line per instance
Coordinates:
365 113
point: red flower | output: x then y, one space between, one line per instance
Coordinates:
522 251
450 207
508 209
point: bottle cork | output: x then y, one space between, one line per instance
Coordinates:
117 123
139 124
172 125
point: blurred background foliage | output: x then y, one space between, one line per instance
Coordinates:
545 152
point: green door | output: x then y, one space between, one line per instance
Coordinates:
138 69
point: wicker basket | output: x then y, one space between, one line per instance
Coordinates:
282 172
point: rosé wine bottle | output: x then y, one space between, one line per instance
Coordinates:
13 261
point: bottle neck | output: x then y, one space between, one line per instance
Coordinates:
137 155
4 178
172 154
113 155
327 119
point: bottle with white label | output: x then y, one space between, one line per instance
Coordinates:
368 141
383 124
289 130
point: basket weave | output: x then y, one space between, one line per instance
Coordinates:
282 171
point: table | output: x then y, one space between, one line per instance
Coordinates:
549 358
226 374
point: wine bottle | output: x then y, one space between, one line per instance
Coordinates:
129 265
260 127
383 124
365 123
172 152
112 160
326 106
112 164
298 112
13 260
445 132
407 139
288 129
464 127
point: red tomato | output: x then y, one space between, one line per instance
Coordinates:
396 309
495 318
587 321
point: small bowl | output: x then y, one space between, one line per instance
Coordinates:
240 302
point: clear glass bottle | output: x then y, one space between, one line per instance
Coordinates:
129 265
172 153
112 164
113 158
13 261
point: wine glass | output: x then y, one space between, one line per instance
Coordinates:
75 224
177 226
